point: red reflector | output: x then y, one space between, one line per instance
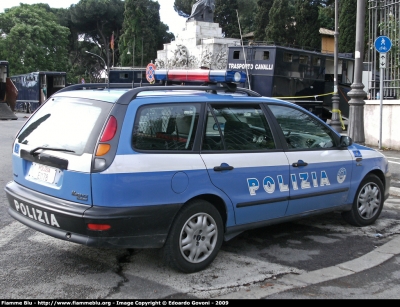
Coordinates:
110 130
98 227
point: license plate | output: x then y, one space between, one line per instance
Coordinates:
43 173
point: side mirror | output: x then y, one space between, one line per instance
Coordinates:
345 141
221 125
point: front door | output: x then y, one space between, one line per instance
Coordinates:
242 160
320 172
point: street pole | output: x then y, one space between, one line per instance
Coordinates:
133 53
108 74
357 94
141 73
335 122
380 105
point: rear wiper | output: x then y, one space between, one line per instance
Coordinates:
33 151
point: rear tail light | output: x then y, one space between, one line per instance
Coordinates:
110 130
104 147
98 227
107 135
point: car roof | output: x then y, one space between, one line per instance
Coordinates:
108 95
112 95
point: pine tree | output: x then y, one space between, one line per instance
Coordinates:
262 19
247 12
280 29
307 24
347 26
327 16
225 15
141 27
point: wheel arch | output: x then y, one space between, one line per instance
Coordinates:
367 204
218 203
214 200
379 174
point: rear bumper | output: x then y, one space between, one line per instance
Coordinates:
133 227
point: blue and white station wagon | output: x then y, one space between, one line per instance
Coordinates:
184 168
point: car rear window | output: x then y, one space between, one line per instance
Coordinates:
66 123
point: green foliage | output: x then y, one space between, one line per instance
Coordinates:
347 26
326 17
307 24
226 16
262 19
143 28
391 28
95 21
33 39
247 15
37 37
281 26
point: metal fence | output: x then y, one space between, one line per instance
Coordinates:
384 19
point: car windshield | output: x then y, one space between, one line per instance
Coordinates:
64 123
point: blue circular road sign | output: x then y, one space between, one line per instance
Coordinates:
383 44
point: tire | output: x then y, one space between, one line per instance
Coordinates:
194 252
368 203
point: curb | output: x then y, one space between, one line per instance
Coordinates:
292 281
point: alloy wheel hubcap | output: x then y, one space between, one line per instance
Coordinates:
198 238
369 200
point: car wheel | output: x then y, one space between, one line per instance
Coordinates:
195 237
368 203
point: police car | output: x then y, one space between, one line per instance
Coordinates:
184 168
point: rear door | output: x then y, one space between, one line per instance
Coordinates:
155 164
244 160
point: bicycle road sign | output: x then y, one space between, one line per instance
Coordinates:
383 44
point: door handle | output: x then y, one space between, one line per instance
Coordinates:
223 167
299 163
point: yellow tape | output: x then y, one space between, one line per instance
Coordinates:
333 110
315 96
340 117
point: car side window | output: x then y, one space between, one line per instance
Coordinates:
237 128
166 127
301 130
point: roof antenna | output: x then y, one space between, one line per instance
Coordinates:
141 74
244 56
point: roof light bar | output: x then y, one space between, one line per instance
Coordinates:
200 75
